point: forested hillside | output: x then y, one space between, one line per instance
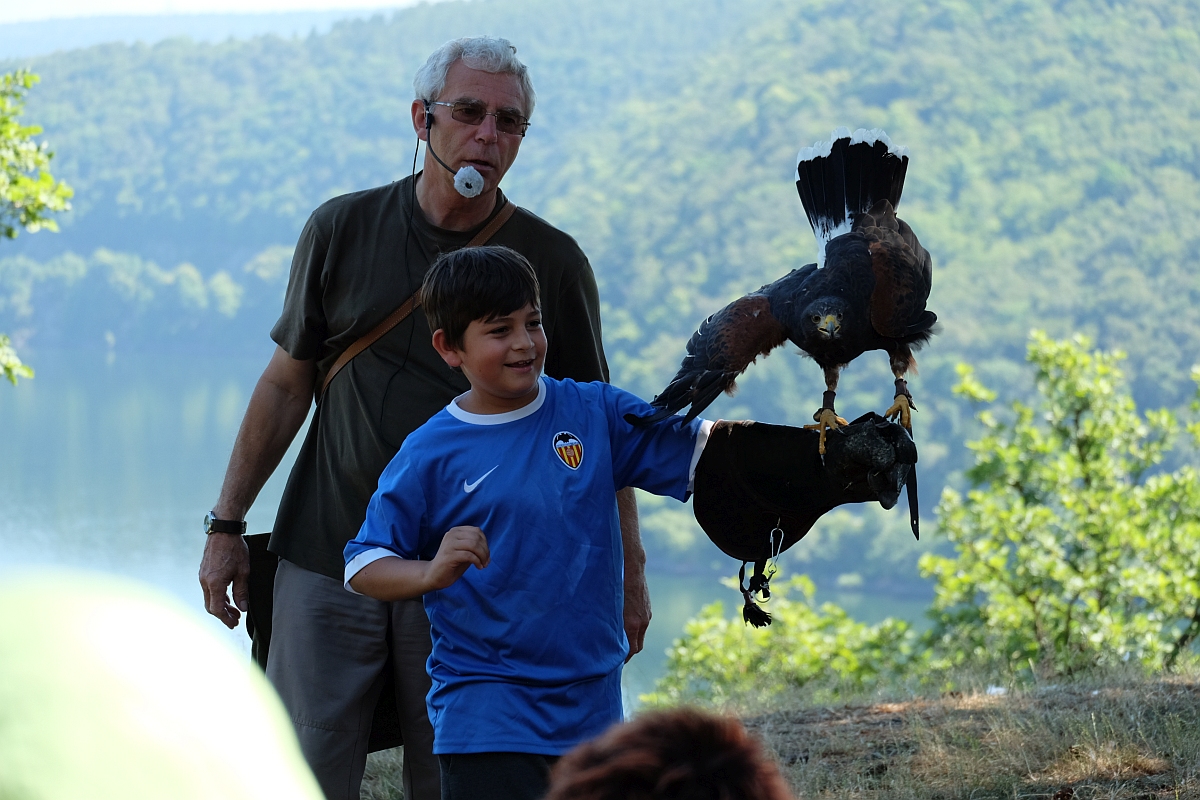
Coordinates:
1054 175
41 37
211 154
1055 178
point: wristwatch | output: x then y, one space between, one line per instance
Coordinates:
213 525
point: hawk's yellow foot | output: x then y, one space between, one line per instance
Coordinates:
901 411
826 419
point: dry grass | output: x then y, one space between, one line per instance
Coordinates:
1127 738
383 780
1133 739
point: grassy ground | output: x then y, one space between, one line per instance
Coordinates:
1120 738
382 780
1123 739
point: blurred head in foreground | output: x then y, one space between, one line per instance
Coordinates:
682 754
111 690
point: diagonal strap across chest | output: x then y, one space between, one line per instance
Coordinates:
410 305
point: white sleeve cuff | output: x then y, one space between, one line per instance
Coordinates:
706 427
361 560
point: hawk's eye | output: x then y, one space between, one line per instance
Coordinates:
816 318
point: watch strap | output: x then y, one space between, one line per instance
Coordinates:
213 525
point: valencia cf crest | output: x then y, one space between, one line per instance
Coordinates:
568 448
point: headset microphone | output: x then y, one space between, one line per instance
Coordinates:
467 181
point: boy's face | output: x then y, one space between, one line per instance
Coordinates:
502 358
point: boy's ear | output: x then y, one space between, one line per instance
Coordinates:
449 354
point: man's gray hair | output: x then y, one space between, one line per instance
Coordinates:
484 53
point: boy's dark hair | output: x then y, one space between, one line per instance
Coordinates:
682 754
476 283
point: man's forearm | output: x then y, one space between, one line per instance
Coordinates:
277 410
631 534
637 593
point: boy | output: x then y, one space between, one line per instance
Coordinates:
500 512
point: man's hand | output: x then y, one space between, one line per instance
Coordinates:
226 560
637 593
277 409
462 546
637 610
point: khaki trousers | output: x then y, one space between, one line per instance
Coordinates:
329 648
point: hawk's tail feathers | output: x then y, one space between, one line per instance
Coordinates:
842 178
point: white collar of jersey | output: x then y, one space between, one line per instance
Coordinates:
498 419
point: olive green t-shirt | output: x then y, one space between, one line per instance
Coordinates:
355 263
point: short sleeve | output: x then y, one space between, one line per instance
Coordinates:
395 514
657 458
302 328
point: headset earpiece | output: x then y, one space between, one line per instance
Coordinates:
429 139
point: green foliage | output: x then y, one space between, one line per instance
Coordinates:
249 136
138 283
720 659
29 194
1071 550
11 367
124 295
1075 549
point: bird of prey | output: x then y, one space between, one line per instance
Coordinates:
867 290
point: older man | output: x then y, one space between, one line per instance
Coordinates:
359 258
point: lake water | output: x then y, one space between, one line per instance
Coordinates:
109 462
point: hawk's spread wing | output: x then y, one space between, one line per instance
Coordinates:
719 351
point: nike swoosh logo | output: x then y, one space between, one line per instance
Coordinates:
470 487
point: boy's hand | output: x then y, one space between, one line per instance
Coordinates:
462 546
401 579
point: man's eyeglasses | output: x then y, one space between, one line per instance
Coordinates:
473 114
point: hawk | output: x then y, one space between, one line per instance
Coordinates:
867 290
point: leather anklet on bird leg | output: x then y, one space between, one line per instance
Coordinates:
826 418
900 409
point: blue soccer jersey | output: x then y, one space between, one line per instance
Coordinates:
527 653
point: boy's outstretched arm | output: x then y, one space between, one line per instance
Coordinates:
401 579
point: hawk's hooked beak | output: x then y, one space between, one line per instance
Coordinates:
829 325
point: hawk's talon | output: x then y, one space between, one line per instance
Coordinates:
826 419
900 411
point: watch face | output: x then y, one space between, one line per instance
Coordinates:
208 519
